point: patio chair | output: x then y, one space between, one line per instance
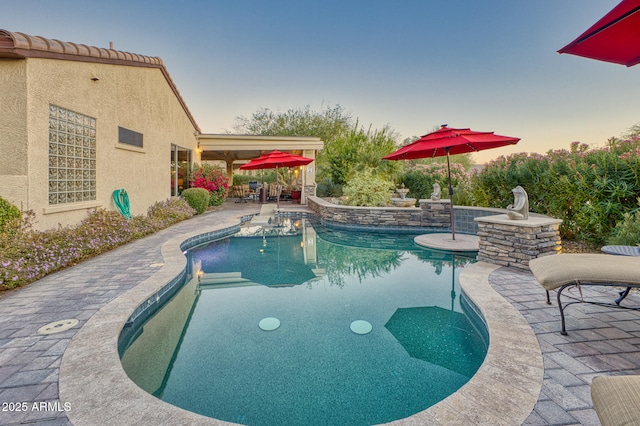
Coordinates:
242 193
558 272
285 193
274 192
254 190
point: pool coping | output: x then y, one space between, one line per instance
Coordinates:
504 391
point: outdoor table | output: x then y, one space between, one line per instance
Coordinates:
622 251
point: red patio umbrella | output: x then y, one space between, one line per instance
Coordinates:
614 38
448 141
275 159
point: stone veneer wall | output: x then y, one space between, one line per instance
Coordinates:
514 243
466 215
502 241
433 216
379 217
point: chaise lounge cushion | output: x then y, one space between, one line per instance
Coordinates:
557 270
616 399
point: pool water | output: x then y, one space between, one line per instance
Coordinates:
205 350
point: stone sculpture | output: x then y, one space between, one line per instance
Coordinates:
519 210
435 195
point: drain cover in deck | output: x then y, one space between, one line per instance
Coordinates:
58 326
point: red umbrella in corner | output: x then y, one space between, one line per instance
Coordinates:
614 38
275 159
448 141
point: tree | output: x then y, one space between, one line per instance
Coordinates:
633 132
327 124
359 150
347 146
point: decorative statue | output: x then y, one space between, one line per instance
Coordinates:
402 191
519 210
403 201
435 195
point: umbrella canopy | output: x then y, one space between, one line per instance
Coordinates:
614 38
439 336
275 159
448 141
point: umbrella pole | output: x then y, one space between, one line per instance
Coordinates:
277 192
453 228
453 282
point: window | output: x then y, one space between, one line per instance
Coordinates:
72 156
180 168
129 137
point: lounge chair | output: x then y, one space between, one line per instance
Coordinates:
557 272
616 399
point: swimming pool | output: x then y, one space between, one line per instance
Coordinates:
205 350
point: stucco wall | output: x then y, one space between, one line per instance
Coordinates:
136 98
13 132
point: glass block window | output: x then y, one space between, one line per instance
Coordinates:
72 156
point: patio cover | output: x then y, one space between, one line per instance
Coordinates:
239 149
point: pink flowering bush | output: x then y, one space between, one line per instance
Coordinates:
213 179
589 189
27 255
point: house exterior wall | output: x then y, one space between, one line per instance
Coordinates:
137 98
13 132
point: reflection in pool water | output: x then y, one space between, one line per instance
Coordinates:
207 351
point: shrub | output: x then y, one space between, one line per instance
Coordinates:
27 255
102 230
198 199
213 179
242 179
265 175
8 212
165 213
627 231
421 177
367 189
327 188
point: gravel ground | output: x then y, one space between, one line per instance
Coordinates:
574 246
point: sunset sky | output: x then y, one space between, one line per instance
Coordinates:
487 65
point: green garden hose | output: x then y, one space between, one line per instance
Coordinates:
121 200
